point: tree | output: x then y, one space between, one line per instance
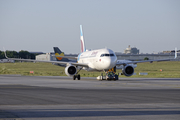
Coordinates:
13 54
146 58
32 56
2 55
24 54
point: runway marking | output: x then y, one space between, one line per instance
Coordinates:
16 86
138 84
8 116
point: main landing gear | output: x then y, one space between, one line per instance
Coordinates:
77 75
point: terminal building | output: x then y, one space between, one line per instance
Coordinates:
130 50
46 57
51 56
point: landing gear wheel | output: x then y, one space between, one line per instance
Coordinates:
74 77
79 77
116 77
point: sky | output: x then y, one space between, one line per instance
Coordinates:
39 25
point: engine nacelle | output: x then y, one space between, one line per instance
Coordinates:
128 70
70 70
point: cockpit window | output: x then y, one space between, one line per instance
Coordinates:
102 55
111 54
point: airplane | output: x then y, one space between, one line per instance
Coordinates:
93 60
59 54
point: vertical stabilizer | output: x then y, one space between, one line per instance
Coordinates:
58 52
83 48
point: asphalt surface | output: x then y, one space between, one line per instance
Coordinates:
29 97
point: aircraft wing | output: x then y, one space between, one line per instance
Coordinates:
123 62
75 58
59 62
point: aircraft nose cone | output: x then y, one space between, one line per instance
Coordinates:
110 63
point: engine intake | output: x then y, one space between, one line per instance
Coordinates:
70 70
128 70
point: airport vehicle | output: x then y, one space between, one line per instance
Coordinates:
111 76
94 60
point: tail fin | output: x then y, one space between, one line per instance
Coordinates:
58 52
83 48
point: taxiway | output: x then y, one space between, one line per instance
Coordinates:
34 97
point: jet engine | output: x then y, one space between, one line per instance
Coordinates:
70 70
128 70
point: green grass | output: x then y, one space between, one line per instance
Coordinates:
169 69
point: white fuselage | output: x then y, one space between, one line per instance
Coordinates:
98 60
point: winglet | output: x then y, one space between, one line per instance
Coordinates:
5 53
175 53
83 48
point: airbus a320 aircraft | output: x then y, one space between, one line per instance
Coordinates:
93 60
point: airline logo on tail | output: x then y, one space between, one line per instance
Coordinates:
59 58
58 52
83 48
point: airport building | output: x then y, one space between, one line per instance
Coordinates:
46 57
6 61
51 56
130 50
